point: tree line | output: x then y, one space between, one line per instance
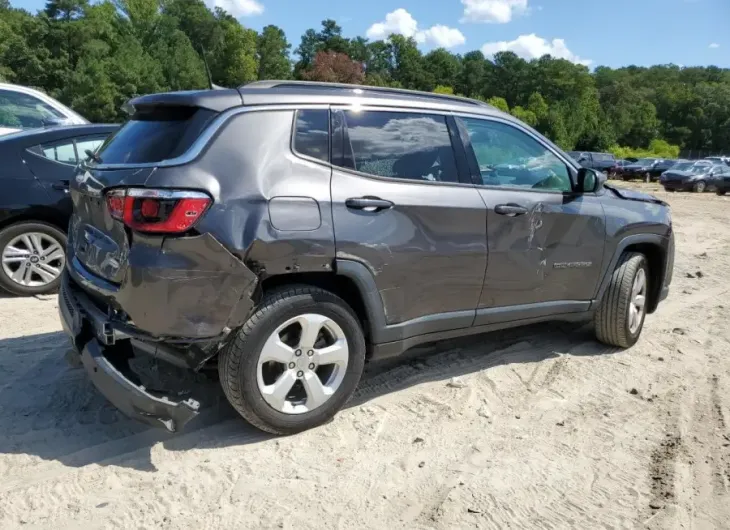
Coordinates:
94 57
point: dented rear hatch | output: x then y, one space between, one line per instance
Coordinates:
155 135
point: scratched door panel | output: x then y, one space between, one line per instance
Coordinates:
553 252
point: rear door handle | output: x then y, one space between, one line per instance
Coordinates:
510 210
368 204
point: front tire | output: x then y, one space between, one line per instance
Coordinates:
32 258
699 187
296 362
621 313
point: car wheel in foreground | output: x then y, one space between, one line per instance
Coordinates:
620 315
699 187
32 257
295 363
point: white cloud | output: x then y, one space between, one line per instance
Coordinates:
714 45
533 47
442 36
495 11
401 22
238 8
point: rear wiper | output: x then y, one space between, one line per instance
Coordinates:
93 156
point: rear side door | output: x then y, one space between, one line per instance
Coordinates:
545 242
401 209
54 165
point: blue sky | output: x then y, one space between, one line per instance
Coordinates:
595 32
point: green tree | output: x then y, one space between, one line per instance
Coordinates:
273 54
499 103
472 77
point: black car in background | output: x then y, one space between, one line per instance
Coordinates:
598 161
35 206
694 176
647 169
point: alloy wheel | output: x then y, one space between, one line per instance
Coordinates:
302 363
637 304
33 259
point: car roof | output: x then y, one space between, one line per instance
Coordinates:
48 134
308 92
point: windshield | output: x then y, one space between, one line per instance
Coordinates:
645 161
683 166
702 168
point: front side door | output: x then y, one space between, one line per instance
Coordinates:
545 241
399 208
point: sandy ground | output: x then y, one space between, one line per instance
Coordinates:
534 428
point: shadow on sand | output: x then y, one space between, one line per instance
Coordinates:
52 411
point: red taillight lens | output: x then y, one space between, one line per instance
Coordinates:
149 210
115 203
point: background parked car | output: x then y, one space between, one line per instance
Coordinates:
719 159
619 166
597 161
35 206
693 176
24 108
647 168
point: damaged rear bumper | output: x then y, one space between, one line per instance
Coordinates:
133 400
103 348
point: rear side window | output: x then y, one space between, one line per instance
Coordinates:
311 134
154 135
60 152
603 157
399 145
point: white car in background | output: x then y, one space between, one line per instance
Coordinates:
25 108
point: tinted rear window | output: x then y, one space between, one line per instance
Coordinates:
155 135
312 136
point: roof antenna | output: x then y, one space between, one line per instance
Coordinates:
212 85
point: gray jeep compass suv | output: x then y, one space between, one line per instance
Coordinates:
285 233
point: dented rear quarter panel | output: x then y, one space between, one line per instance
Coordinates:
195 286
253 163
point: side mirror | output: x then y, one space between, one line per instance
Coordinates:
590 180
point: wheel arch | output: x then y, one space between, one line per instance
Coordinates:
654 248
38 214
352 282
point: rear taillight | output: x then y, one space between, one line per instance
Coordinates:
151 210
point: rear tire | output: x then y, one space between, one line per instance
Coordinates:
241 364
721 192
47 235
699 187
613 319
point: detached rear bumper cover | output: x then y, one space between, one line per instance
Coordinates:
133 400
90 332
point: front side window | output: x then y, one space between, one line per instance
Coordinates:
23 111
509 157
311 134
400 145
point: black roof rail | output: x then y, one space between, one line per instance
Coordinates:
365 88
